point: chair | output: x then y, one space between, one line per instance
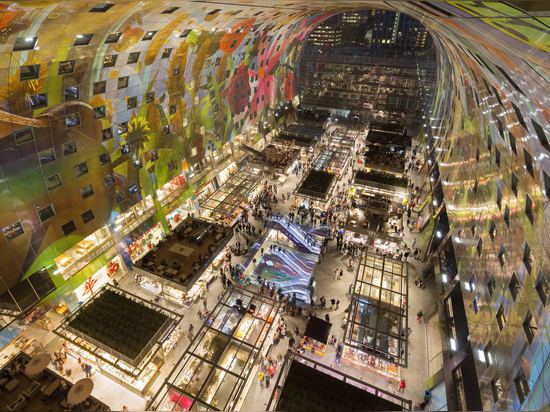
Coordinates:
32 390
17 404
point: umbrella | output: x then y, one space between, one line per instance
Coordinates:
37 364
80 391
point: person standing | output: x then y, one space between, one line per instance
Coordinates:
332 303
336 272
341 273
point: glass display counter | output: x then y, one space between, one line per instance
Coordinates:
388 370
77 257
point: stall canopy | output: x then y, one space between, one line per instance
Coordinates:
318 329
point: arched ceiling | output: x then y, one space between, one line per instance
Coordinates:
210 70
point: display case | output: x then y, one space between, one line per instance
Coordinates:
150 285
77 257
146 243
372 363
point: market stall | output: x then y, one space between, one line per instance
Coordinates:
377 320
72 260
146 242
219 365
121 335
316 335
228 203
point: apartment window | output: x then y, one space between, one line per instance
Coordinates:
501 318
81 169
53 181
512 140
166 53
528 162
499 198
215 11
185 33
66 67
87 191
529 327
122 127
69 148
108 181
149 35
149 97
514 183
25 43
497 157
46 213
541 135
496 388
23 135
110 60
172 110
529 208
29 72
527 257
71 93
176 71
479 247
101 8
133 58
83 39
38 101
546 184
507 215
99 112
107 134
514 286
88 216
492 230
104 158
543 288
72 120
522 386
13 231
123 82
46 156
68 228
502 256
113 37
489 142
521 120
131 102
487 354
99 87
170 10
491 286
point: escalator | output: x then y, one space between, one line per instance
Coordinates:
296 234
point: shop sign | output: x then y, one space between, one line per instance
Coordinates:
98 279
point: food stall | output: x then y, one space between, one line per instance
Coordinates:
218 367
316 335
95 282
228 202
146 242
377 321
138 373
77 257
382 367
126 222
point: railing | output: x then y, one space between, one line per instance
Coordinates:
292 356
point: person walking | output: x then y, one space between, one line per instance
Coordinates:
327 317
419 316
336 273
341 273
332 303
402 385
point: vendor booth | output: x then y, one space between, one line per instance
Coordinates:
316 335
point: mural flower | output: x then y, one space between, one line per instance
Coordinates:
289 85
232 39
129 37
238 92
